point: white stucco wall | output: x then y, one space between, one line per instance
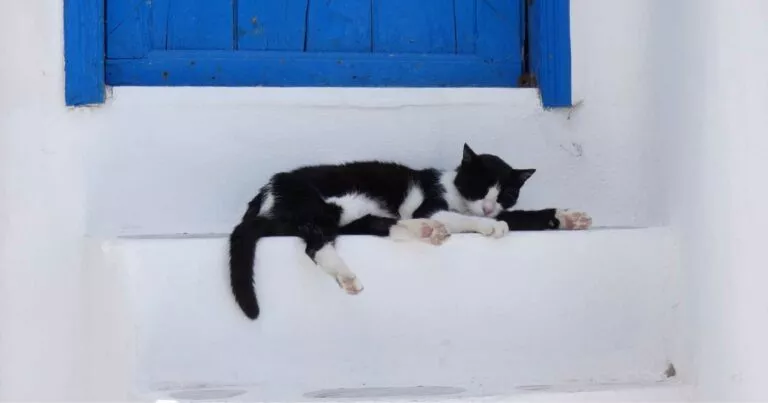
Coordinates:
714 115
174 160
202 152
187 160
42 210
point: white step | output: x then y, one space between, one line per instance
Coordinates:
473 317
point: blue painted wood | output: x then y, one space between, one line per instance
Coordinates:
134 27
201 24
127 29
339 26
499 37
84 52
465 15
550 50
254 68
288 42
272 24
159 16
409 26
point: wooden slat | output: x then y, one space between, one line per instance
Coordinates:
550 51
339 25
200 24
84 52
272 24
465 13
499 37
158 23
256 68
127 26
413 26
414 43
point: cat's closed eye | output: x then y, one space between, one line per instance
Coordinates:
508 196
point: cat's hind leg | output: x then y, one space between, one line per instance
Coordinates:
321 250
329 260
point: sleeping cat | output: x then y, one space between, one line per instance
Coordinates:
319 203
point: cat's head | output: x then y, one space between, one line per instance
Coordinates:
488 183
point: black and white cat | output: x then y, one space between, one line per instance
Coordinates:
319 203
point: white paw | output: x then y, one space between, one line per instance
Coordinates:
426 230
573 220
492 228
350 284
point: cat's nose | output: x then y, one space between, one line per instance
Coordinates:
487 209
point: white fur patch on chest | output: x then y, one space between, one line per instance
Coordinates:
412 201
452 195
356 205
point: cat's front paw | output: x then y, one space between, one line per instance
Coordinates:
350 284
573 220
423 229
492 228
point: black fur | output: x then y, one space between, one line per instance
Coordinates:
537 220
300 209
478 172
242 251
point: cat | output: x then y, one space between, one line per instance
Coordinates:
319 203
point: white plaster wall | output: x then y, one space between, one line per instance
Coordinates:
187 160
714 115
178 160
42 210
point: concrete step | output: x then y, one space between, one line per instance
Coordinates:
555 312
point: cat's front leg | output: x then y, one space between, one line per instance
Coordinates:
573 220
422 229
419 229
547 219
456 222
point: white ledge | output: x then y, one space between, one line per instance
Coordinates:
324 97
473 317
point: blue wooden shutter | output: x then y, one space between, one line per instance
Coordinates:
415 43
549 50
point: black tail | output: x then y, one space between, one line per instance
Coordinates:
242 251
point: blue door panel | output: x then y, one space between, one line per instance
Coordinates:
271 25
405 26
413 43
339 26
196 24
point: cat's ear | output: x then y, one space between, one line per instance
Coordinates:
524 174
468 156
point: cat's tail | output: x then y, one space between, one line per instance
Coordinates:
242 251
